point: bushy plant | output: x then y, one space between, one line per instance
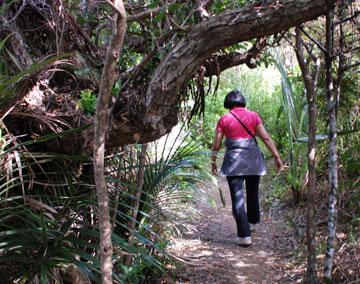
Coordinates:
87 102
48 210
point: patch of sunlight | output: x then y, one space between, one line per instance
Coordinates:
252 81
179 243
242 264
262 253
272 78
259 254
205 253
241 278
169 142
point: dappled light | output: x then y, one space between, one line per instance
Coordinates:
215 257
179 142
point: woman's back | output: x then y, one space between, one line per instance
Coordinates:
231 127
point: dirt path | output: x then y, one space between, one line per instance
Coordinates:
214 257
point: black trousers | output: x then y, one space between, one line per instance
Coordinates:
252 213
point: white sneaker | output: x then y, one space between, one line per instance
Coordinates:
243 241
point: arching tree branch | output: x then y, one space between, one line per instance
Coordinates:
160 103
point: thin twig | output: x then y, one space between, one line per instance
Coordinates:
147 14
185 28
350 66
356 13
319 45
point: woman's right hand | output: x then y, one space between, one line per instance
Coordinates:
278 163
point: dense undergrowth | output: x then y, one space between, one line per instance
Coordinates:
49 231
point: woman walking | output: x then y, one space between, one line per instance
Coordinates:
243 161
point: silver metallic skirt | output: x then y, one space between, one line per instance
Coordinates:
242 158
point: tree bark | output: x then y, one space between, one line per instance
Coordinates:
101 118
159 108
310 86
217 64
333 174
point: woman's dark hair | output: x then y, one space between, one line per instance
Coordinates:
234 99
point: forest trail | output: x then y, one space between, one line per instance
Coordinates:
214 257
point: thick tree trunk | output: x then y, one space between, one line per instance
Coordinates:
158 111
101 118
310 86
333 174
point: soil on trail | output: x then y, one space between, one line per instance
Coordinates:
212 256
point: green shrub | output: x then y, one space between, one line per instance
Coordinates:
87 102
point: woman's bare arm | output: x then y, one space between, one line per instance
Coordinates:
215 148
265 137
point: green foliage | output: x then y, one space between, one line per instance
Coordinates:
129 59
140 271
3 67
5 5
116 89
11 84
258 87
47 220
294 109
173 172
47 210
87 102
221 6
47 201
38 231
276 190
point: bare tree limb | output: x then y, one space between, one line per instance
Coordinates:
348 67
319 45
101 119
352 17
179 27
147 14
218 64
